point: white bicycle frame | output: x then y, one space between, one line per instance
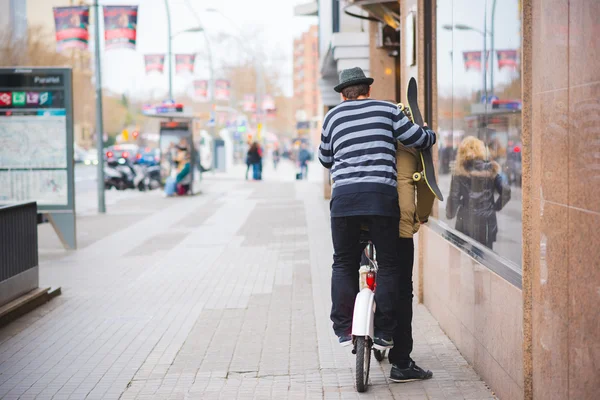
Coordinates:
363 318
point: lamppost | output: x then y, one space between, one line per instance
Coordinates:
195 30
260 82
169 52
211 86
99 122
484 33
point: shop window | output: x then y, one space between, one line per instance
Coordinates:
479 123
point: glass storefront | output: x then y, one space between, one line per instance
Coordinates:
479 122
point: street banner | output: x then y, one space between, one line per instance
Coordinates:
120 24
184 63
249 103
507 58
72 27
222 90
472 59
154 62
201 90
268 106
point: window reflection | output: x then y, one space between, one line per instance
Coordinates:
479 121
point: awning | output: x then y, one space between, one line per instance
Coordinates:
309 9
384 11
346 50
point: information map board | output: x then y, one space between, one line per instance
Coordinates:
36 137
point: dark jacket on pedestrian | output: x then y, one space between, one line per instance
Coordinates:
253 156
303 156
472 199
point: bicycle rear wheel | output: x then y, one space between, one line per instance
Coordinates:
363 363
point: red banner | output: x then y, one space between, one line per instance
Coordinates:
72 27
472 59
201 90
268 106
507 59
154 62
184 63
222 90
120 27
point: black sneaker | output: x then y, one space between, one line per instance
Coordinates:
381 342
410 374
345 340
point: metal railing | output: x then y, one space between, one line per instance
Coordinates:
18 239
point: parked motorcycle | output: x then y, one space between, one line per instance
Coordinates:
122 174
113 178
151 176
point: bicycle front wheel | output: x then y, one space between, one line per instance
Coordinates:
363 362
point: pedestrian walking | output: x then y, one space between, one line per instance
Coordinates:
475 182
276 157
253 160
415 201
303 159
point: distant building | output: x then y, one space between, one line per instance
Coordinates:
308 108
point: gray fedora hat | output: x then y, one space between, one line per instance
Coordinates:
352 76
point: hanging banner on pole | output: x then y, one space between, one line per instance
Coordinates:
120 25
72 27
201 90
222 90
154 62
268 106
184 63
249 103
507 59
472 59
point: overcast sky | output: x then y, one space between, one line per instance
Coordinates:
270 23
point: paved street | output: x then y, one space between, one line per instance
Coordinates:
224 295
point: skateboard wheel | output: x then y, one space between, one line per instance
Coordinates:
416 176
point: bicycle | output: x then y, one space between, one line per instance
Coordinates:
363 318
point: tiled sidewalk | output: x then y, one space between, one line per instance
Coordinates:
225 295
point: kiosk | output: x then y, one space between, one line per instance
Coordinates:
36 145
177 129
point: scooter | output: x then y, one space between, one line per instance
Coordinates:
122 175
114 179
151 176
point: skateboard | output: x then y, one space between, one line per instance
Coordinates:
414 114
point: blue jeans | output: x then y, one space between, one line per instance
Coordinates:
304 171
256 171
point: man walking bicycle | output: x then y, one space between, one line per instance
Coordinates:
358 144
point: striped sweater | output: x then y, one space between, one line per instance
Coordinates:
358 144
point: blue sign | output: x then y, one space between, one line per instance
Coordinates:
491 98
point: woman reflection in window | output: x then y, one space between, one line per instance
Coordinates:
475 182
